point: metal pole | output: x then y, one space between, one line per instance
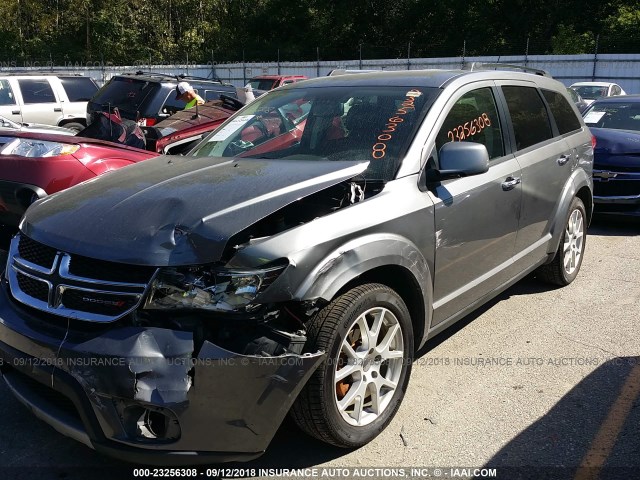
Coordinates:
213 67
526 52
278 61
187 63
318 64
409 56
360 45
104 73
244 70
464 52
595 59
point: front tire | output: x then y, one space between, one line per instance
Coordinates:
566 264
354 394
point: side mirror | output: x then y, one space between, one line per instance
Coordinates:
460 159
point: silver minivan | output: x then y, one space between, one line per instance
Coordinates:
46 98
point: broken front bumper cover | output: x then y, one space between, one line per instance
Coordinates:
108 388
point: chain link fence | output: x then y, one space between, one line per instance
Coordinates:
237 67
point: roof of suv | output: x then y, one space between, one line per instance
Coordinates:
425 78
166 77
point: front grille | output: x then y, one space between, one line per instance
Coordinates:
36 252
616 188
32 287
109 271
74 286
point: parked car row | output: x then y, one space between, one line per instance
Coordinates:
293 261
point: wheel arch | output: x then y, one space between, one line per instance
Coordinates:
67 121
400 280
387 259
581 186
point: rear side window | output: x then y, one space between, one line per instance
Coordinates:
528 116
262 83
474 118
36 91
208 94
565 118
79 89
127 94
173 105
6 94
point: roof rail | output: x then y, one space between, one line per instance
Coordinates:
178 77
347 71
472 66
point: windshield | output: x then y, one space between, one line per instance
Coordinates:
618 115
262 83
326 123
126 93
591 92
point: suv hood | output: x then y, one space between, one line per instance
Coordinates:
171 211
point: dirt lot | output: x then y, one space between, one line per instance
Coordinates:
536 383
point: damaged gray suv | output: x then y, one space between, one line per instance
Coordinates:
294 262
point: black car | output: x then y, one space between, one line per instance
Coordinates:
149 98
615 124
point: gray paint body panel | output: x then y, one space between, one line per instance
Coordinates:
175 210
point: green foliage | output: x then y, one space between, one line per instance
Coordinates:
567 41
142 31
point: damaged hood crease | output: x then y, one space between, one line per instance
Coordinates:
186 209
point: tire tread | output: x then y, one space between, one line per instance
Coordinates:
307 411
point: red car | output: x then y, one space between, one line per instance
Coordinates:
33 165
269 82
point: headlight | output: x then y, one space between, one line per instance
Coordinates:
210 288
28 147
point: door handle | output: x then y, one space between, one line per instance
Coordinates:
510 183
563 159
15 112
57 109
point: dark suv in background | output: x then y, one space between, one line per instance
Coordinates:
149 98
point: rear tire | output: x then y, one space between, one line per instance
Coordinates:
353 395
566 264
75 126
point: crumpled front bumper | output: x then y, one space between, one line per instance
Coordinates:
91 382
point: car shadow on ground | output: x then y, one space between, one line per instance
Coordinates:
591 433
614 226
